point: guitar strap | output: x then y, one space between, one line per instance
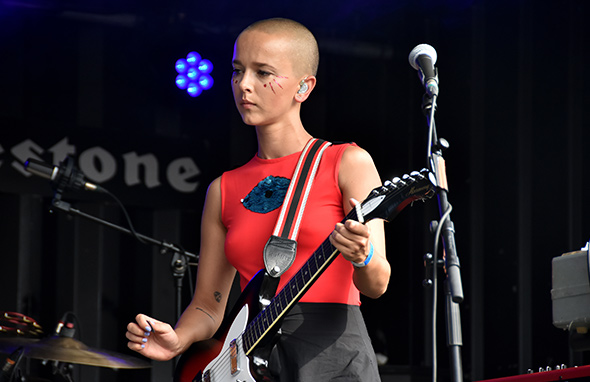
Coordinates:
280 250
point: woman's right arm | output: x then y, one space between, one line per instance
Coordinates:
202 317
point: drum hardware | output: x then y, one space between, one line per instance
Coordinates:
20 339
70 350
17 324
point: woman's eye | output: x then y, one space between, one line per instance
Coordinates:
236 71
263 73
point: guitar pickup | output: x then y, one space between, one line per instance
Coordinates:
233 357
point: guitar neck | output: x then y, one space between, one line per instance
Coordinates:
383 202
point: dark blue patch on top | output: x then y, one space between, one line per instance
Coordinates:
268 195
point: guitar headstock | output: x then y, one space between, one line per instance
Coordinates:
387 201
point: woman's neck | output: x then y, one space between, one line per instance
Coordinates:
280 141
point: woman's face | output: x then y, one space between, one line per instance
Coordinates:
263 80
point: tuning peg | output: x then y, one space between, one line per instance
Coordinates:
388 185
400 181
442 144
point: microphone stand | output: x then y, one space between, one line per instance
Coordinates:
179 263
453 289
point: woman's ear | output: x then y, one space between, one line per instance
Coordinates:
305 88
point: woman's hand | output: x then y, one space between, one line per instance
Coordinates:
152 338
352 239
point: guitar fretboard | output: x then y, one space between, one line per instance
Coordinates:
396 195
290 294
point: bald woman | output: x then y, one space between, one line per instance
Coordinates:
323 336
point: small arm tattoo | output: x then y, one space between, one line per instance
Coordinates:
217 296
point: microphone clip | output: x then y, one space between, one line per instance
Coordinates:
428 103
68 177
66 327
430 83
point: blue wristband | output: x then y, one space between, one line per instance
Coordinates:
367 260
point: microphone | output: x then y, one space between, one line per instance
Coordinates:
65 327
422 58
62 177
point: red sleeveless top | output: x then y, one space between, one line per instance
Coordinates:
251 198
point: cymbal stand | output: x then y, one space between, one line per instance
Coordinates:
10 371
63 370
179 263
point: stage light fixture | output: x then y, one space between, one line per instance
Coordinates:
205 81
181 81
193 58
181 66
194 74
193 89
205 66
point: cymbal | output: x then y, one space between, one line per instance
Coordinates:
70 350
10 344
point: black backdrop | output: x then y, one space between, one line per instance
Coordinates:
100 73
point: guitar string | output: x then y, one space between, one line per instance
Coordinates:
221 366
255 327
263 322
223 360
305 276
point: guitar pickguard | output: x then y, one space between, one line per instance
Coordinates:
232 363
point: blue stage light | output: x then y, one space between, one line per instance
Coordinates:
193 58
193 74
205 66
181 81
193 89
205 81
181 66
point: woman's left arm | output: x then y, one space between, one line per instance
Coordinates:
361 243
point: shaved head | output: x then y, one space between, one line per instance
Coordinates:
305 55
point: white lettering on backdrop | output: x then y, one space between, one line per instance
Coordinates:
99 165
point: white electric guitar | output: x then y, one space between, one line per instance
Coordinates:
232 354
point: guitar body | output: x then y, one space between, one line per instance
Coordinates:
211 360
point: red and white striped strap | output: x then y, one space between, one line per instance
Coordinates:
296 198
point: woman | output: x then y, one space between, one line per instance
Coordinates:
323 337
